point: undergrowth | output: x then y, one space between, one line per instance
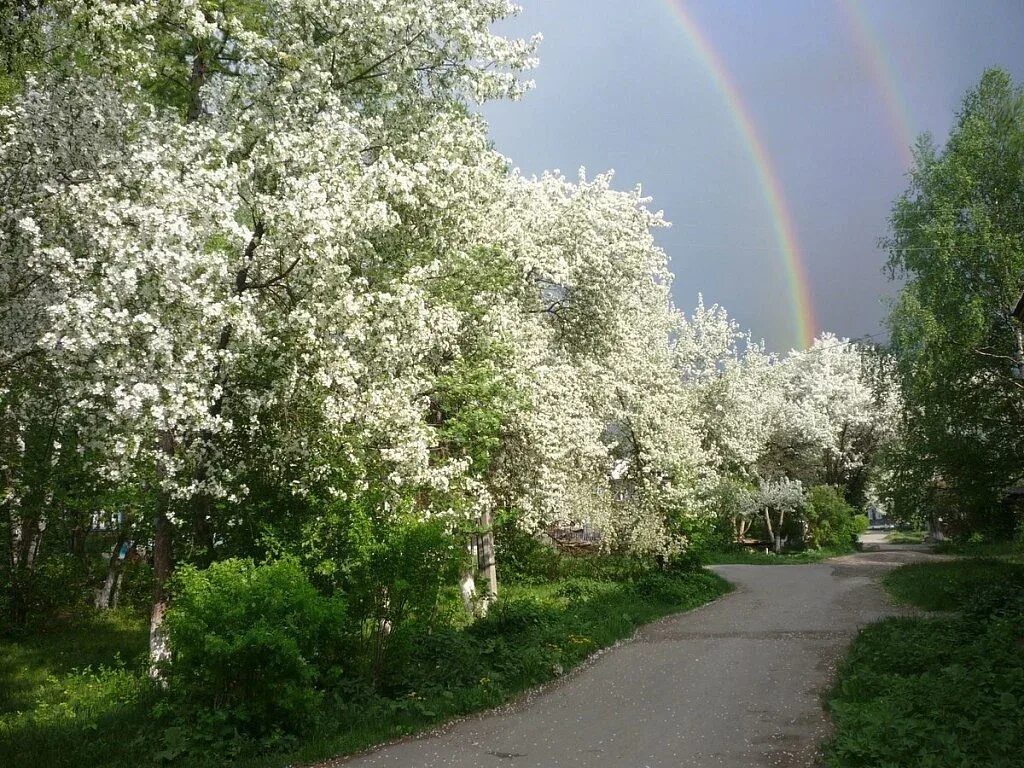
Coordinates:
79 696
937 691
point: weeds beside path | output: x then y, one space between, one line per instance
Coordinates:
941 691
78 694
757 557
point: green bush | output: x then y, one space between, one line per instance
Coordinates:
831 522
253 644
616 567
396 590
522 558
398 574
704 534
515 616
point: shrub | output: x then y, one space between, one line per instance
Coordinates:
615 567
252 643
830 520
394 569
515 616
522 558
395 588
680 590
703 534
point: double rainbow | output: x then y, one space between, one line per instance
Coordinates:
874 57
805 324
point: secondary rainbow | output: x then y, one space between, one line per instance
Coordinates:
872 54
805 324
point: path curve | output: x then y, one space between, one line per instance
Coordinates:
738 683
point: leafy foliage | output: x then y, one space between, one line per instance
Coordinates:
955 241
257 643
951 586
533 634
831 521
937 692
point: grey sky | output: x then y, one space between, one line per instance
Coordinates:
620 86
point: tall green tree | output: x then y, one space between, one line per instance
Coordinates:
957 240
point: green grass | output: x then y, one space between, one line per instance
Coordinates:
941 691
70 691
78 696
945 586
906 537
1009 550
34 667
750 557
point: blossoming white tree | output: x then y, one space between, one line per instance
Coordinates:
269 243
218 220
834 418
775 499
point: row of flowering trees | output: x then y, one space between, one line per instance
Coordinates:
259 258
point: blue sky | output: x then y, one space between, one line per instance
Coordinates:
620 87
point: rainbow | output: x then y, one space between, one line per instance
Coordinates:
804 320
872 54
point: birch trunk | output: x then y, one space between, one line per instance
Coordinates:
467 584
163 564
771 530
486 559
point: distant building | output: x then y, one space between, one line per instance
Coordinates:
877 517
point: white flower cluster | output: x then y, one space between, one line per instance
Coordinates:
291 252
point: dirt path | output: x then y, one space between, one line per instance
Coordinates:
734 684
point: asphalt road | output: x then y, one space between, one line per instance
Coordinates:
737 683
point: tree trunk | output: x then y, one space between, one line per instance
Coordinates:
159 647
163 564
486 558
776 543
106 596
26 540
202 532
78 537
467 584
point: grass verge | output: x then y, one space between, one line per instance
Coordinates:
906 537
750 557
78 695
1006 550
937 691
951 585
